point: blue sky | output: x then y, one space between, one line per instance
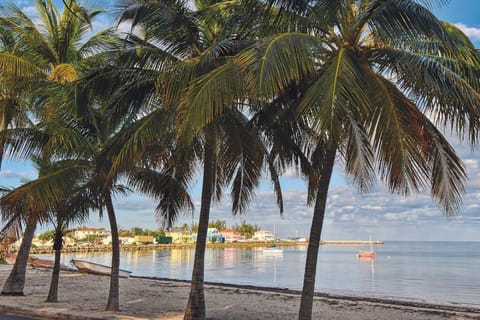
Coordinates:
349 215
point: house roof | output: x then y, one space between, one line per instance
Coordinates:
229 231
90 229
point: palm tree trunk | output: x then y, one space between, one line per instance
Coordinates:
57 246
306 304
113 303
195 309
2 146
16 280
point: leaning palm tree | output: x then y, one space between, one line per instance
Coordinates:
65 204
374 80
55 51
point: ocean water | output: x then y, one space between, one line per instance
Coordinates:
434 272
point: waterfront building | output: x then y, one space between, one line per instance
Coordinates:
213 235
263 235
144 239
231 235
90 233
179 235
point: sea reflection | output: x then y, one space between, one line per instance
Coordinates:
438 272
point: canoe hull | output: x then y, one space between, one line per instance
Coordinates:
99 269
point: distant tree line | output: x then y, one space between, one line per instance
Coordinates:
243 228
136 231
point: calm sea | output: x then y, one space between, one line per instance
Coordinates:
436 272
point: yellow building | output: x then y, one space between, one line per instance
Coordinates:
180 236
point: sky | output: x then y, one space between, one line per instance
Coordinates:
349 215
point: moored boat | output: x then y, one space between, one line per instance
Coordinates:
272 249
365 254
95 268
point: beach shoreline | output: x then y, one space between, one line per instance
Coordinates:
83 296
396 301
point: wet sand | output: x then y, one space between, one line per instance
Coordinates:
144 298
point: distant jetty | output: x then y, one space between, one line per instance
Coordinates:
351 242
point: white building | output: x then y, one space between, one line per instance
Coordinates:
231 235
85 233
263 235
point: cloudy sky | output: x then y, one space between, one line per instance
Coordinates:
350 215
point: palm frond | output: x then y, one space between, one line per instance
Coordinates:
168 187
208 96
281 61
13 65
445 88
242 157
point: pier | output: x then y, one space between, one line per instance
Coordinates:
351 242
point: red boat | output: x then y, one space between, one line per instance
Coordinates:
365 254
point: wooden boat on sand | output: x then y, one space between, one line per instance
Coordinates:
95 268
43 263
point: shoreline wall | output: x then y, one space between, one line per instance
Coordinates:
239 245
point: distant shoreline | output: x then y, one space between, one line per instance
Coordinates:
239 245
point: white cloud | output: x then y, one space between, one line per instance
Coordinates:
347 217
472 32
394 216
369 207
13 175
30 11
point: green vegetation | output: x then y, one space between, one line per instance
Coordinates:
243 228
136 231
246 229
47 235
219 224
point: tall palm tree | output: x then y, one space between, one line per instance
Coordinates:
54 51
375 79
175 45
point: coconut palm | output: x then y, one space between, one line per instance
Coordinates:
74 209
174 45
375 79
12 83
55 51
63 206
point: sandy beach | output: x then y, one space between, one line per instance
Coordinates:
141 298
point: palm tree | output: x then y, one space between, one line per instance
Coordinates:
374 80
12 83
55 52
175 45
64 205
74 209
